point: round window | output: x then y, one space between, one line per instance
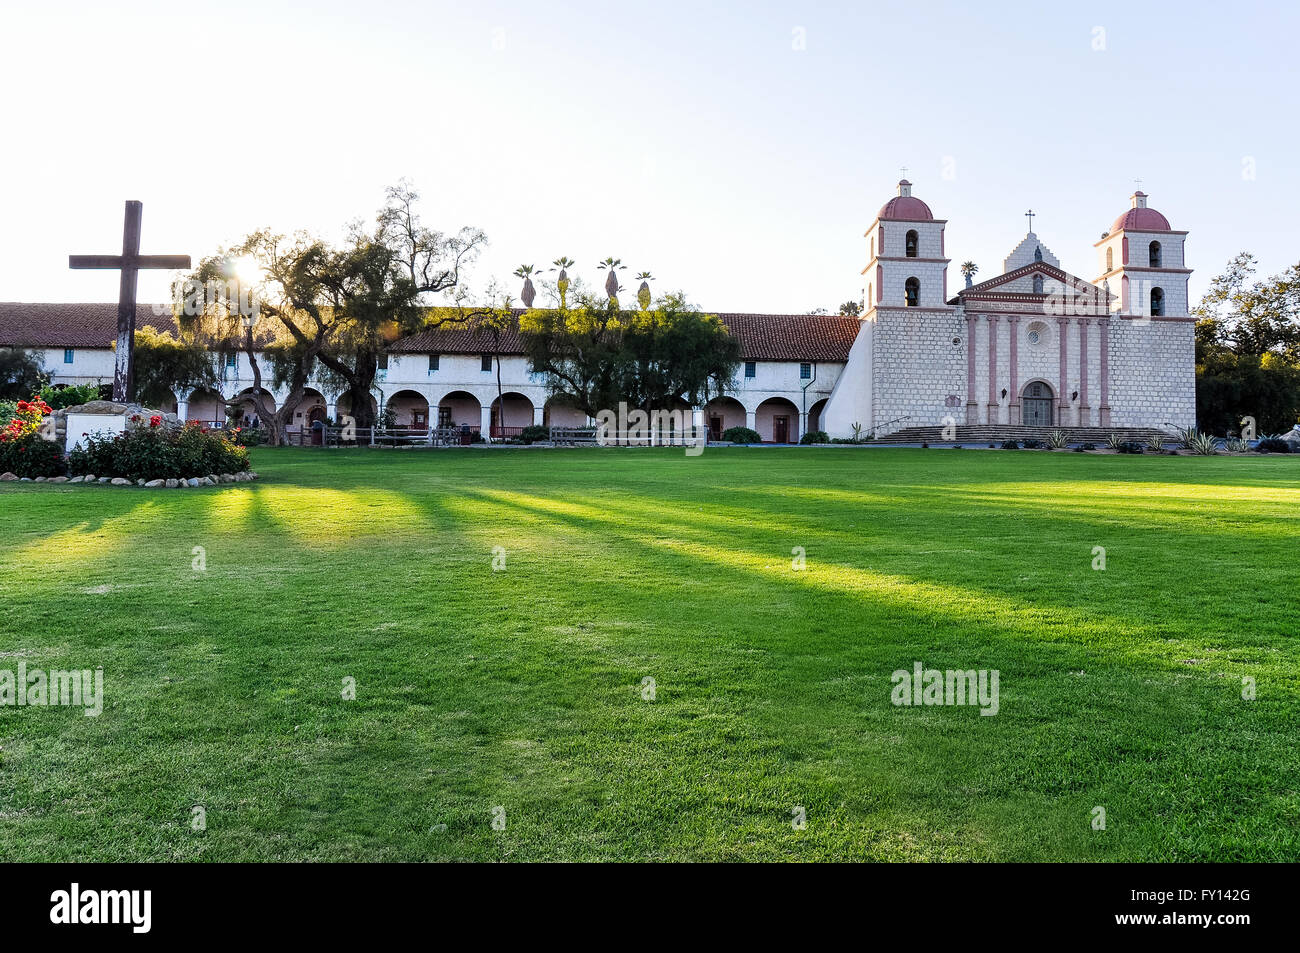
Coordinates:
1034 337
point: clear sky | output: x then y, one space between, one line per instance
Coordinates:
736 150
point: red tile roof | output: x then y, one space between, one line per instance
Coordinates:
763 337
69 325
793 337
460 338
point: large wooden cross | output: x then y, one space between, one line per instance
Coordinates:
129 262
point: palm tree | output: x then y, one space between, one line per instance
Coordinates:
562 282
643 293
968 270
528 294
612 288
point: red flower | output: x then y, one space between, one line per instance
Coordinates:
155 420
135 418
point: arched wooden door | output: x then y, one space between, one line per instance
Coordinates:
1036 405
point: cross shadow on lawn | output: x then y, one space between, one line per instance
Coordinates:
979 615
1091 700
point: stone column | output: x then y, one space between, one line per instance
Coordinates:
994 321
1085 414
1103 343
485 420
538 418
1062 397
182 410
750 420
972 408
1013 407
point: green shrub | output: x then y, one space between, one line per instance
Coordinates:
158 453
535 433
70 396
247 436
1204 444
741 435
1272 445
1129 446
1033 444
815 436
1010 444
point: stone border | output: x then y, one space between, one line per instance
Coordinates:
212 479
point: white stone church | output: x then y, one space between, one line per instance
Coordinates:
1035 346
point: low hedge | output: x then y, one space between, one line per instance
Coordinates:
815 436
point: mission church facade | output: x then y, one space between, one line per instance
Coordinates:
1034 346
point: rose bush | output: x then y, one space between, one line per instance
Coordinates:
159 453
22 448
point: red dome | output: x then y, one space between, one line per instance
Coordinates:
904 206
1140 218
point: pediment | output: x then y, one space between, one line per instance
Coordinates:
1018 285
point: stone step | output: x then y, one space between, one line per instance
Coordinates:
995 433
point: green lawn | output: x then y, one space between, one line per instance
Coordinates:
522 689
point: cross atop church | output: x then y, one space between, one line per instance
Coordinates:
1030 216
129 263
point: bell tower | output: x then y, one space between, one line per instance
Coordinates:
1141 260
906 267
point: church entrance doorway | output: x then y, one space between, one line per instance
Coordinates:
1036 405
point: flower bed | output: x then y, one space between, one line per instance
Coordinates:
156 452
